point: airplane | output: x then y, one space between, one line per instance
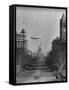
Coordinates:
35 38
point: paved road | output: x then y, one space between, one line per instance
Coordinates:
35 76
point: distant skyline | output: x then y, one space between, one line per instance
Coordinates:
39 22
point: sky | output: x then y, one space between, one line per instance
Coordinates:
39 22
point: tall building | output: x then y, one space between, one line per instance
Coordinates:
60 43
58 52
63 27
21 39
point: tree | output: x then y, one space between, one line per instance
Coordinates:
56 61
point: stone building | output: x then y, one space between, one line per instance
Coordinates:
60 42
21 39
63 27
59 47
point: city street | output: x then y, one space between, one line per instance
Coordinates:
41 73
35 76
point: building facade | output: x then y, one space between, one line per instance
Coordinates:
21 39
63 27
60 42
